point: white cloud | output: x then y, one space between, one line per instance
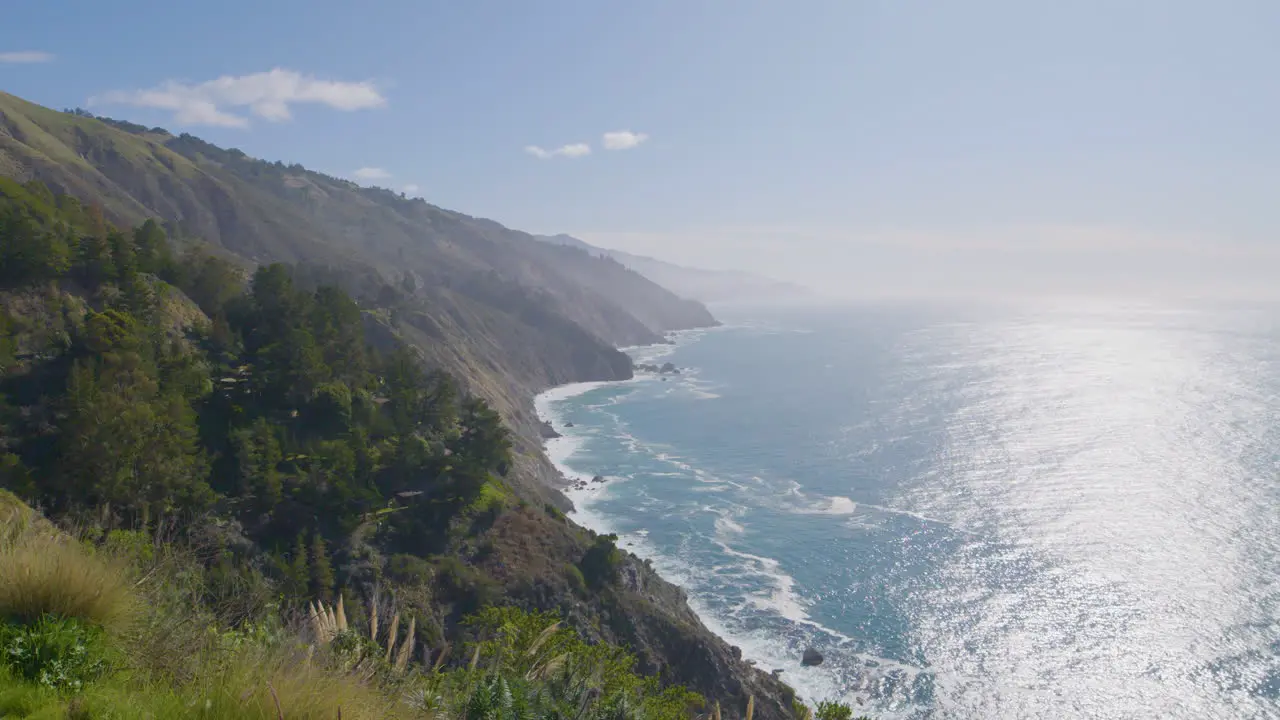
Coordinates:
571 151
623 139
410 189
267 95
26 56
372 173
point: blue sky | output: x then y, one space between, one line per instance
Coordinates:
885 147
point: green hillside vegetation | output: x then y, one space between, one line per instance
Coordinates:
507 315
114 625
293 391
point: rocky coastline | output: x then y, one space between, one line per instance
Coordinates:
673 638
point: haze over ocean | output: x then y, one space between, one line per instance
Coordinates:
1054 511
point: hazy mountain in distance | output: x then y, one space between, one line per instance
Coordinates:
708 286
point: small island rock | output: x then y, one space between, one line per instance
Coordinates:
811 657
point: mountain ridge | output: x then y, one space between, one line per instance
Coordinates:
706 286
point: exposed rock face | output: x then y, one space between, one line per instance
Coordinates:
547 432
811 657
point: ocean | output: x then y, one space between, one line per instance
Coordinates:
1054 510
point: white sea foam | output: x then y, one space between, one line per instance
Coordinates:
545 401
726 525
837 505
841 506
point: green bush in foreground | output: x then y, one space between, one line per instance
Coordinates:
56 653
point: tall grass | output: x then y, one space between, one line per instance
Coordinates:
257 680
46 574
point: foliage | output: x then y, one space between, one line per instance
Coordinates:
601 561
576 579
276 414
832 710
527 665
53 652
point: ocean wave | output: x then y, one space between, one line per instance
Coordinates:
837 505
726 525
545 402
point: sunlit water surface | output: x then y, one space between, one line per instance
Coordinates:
1059 512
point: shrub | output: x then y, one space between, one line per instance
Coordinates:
529 665
47 575
409 569
57 653
469 589
131 544
601 561
575 578
831 710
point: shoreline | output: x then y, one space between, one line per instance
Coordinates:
765 652
559 450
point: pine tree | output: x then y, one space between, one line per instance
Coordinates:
151 246
321 571
258 453
298 572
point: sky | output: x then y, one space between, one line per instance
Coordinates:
862 148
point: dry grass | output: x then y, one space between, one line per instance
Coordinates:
48 573
259 682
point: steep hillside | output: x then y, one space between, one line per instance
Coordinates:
271 212
502 313
508 314
708 286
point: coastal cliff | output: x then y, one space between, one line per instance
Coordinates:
501 313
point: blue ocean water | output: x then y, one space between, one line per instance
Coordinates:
1052 511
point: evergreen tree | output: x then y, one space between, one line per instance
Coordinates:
97 260
151 247
126 445
310 430
258 455
321 571
298 575
29 253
